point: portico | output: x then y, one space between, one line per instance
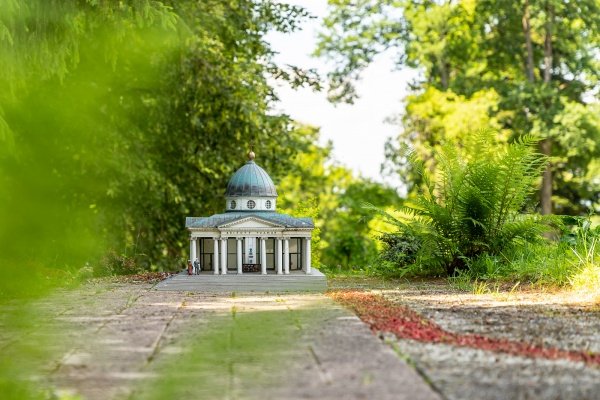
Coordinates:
272 254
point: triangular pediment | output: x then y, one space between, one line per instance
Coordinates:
250 223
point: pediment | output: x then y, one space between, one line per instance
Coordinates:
250 223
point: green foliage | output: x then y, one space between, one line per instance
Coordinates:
212 99
345 228
310 209
476 206
572 261
584 244
60 104
125 117
461 281
351 232
435 116
399 249
475 70
540 263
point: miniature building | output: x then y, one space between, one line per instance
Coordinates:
251 236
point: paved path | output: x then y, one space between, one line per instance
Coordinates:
130 342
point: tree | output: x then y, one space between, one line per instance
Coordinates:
345 233
537 56
126 116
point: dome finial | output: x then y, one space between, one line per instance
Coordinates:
251 154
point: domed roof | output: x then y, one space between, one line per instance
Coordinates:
252 181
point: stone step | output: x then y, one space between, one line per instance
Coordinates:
297 282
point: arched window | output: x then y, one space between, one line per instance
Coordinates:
268 204
251 204
232 205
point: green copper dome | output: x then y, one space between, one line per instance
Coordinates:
251 181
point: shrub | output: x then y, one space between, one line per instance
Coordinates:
399 250
115 264
476 206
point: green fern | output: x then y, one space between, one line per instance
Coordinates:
476 205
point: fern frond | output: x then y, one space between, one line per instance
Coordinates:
418 166
387 217
475 205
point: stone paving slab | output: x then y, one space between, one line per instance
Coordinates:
349 362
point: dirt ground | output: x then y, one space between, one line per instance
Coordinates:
550 319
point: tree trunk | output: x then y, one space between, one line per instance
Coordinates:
444 78
546 190
527 28
548 44
546 144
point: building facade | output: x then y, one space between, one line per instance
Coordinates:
251 236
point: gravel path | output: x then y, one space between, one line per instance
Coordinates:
541 319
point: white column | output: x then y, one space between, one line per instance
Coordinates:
307 267
286 255
279 260
216 256
263 255
198 249
223 256
239 255
193 250
275 253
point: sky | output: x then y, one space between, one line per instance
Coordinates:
358 130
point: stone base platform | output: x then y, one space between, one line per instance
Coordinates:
296 281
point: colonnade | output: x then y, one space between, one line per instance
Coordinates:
282 254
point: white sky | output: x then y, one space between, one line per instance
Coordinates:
358 130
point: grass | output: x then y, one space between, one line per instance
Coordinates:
563 265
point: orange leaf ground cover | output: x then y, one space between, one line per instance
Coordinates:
385 316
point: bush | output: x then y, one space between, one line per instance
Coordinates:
114 264
475 208
398 256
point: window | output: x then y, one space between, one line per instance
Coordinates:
296 255
206 254
251 204
233 204
268 204
270 247
232 253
